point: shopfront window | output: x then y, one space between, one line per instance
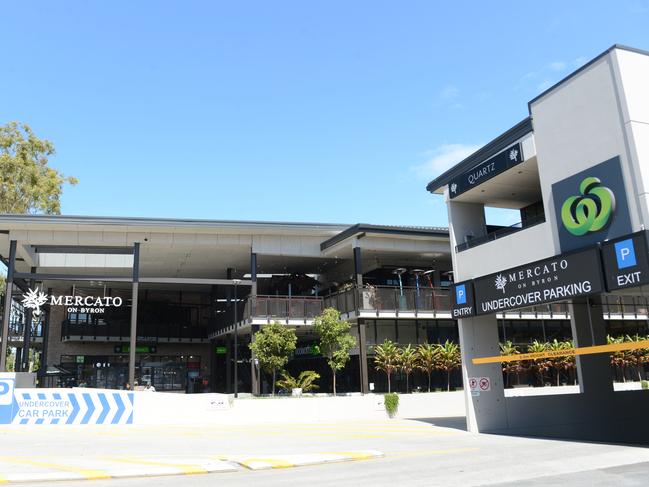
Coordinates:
164 372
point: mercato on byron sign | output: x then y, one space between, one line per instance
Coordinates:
558 278
35 298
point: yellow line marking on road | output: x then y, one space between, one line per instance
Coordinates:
354 455
613 347
273 462
186 468
89 474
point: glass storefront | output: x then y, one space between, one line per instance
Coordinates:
164 372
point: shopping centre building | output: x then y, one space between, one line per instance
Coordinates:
104 301
198 284
577 171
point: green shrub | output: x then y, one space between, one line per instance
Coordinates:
305 381
391 401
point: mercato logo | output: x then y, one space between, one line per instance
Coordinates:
35 298
589 212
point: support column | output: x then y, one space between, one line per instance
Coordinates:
42 371
479 338
254 368
228 364
588 329
9 288
253 273
362 342
134 297
358 272
27 335
362 356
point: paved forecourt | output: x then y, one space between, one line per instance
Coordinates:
419 452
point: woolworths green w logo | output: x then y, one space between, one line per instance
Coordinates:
590 212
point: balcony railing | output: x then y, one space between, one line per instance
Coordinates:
418 300
17 331
283 307
390 298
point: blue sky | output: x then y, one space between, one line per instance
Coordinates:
299 111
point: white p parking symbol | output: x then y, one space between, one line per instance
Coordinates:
6 392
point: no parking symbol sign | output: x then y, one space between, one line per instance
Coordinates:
479 384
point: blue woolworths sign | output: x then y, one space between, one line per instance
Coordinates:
61 406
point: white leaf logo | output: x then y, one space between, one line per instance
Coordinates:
501 282
34 299
513 154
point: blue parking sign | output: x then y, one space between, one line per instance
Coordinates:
460 294
625 254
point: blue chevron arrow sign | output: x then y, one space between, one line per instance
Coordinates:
63 406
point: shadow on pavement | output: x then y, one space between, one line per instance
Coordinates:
455 422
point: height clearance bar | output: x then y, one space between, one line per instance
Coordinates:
613 347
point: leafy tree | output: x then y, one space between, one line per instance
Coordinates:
638 357
305 381
448 359
427 358
27 183
618 359
561 363
507 349
3 283
408 363
387 358
540 365
335 340
273 346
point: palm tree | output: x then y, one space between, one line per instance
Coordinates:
408 362
539 365
427 355
618 359
387 358
448 359
507 349
560 362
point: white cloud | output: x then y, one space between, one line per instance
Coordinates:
544 85
449 92
443 158
557 66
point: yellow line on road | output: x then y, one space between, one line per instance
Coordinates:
185 468
354 455
89 474
273 462
614 347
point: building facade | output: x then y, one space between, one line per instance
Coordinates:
198 284
576 170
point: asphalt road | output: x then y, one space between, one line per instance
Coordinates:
417 453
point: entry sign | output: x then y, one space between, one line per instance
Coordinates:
626 261
462 301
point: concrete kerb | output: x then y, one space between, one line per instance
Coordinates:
114 467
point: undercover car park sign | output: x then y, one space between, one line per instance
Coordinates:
561 277
63 406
